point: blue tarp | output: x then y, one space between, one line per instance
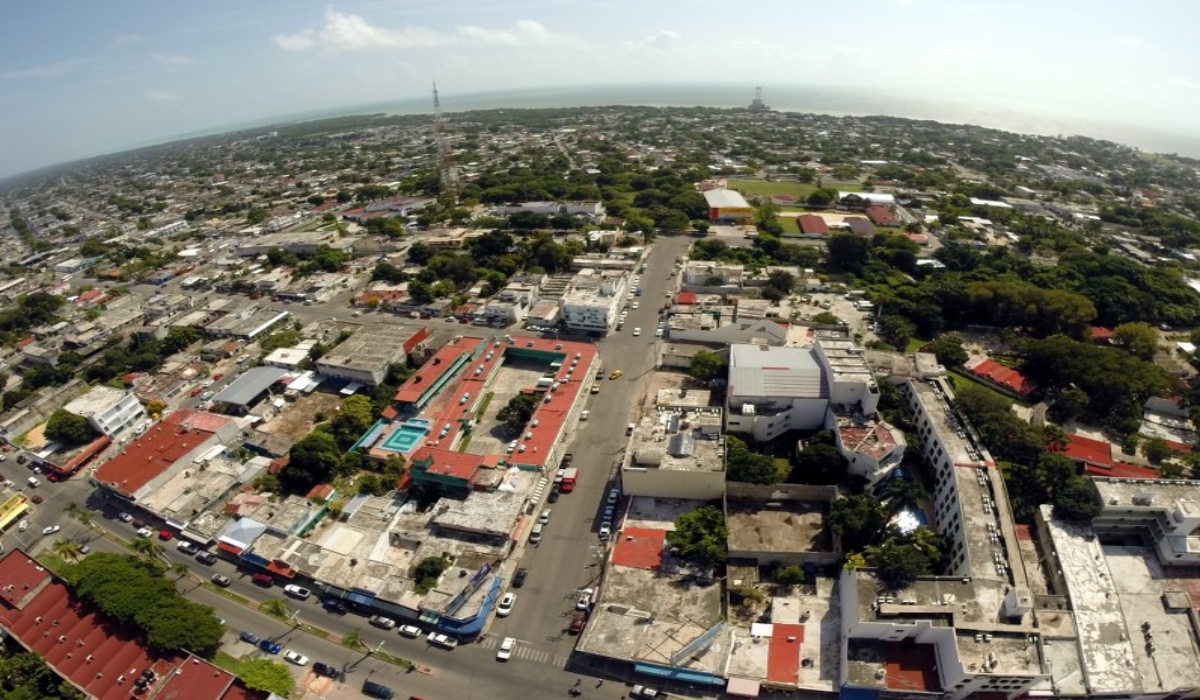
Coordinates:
473 625
360 599
673 673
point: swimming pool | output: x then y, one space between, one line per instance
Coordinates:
405 438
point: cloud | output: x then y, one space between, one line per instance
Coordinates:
662 41
127 39
349 32
173 59
46 70
958 53
1129 41
156 96
1179 83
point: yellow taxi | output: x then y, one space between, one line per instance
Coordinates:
617 374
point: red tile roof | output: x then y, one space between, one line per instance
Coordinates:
639 548
157 449
1100 333
811 223
459 465
428 373
1123 470
91 651
783 654
1089 451
1000 375
685 298
880 216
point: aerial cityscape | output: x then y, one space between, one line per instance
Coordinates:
474 394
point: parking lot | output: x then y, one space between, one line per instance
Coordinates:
491 436
837 304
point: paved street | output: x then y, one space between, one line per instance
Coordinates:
567 559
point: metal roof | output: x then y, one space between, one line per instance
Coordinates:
759 371
250 385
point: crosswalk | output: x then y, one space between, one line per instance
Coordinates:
524 651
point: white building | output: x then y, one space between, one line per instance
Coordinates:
698 273
884 200
511 304
593 302
108 410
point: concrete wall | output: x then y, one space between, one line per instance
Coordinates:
673 483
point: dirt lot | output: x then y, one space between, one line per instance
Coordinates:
35 439
296 420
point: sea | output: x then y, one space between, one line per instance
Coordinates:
1025 118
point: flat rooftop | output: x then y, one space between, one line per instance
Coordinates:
813 661
846 360
371 348
1165 494
198 485
785 526
679 441
99 398
495 513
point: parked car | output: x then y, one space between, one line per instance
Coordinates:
38 498
297 591
614 495
145 532
545 516
207 558
518 579
605 530
221 580
617 374
269 646
584 601
554 495
377 690
165 535
382 622
249 637
505 608
50 530
124 517
410 631
578 620
504 653
641 691
442 640
295 657
334 605
263 579
187 547
327 670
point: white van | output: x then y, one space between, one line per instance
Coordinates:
535 535
34 483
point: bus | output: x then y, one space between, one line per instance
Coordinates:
569 477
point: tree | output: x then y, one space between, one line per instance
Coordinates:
311 461
822 197
701 537
1138 338
25 676
789 575
428 571
819 463
1078 501
67 549
354 417
744 465
707 366
949 350
519 410
267 676
273 607
897 563
420 292
69 428
1156 450
859 522
176 623
145 547
902 494
896 330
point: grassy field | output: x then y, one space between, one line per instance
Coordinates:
799 190
790 227
914 345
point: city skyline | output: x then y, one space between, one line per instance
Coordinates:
80 79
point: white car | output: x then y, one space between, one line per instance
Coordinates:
504 653
637 332
51 530
641 691
584 415
295 657
585 599
614 495
442 640
605 530
410 631
506 605
658 332
636 305
146 532
125 517
296 591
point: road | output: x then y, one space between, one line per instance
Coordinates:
568 558
570 554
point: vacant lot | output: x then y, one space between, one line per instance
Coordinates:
297 419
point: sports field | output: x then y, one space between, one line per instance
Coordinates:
799 190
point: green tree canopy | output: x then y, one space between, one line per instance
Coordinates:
949 350
69 428
707 366
860 522
267 676
701 537
818 463
354 417
25 676
518 411
311 461
744 465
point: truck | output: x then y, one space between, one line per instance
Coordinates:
569 477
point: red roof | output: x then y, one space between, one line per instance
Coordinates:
880 216
811 223
92 651
1006 377
20 344
1122 470
434 367
685 298
459 465
1089 451
157 449
639 548
783 655
912 667
1100 333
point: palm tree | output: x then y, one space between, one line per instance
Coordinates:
902 494
144 546
67 549
180 570
274 608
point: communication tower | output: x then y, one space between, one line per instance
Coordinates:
448 173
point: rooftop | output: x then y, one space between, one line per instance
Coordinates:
1000 375
99 399
721 198
248 387
151 454
680 440
761 371
371 347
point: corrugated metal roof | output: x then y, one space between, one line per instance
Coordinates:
774 372
249 385
725 198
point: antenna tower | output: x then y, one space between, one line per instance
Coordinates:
448 173
757 105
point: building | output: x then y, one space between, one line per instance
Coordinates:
593 301
364 357
776 389
812 226
870 198
1006 380
1164 513
860 226
678 451
243 393
298 242
704 273
96 655
727 205
247 323
881 216
780 524
109 411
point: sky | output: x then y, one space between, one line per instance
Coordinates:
84 77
